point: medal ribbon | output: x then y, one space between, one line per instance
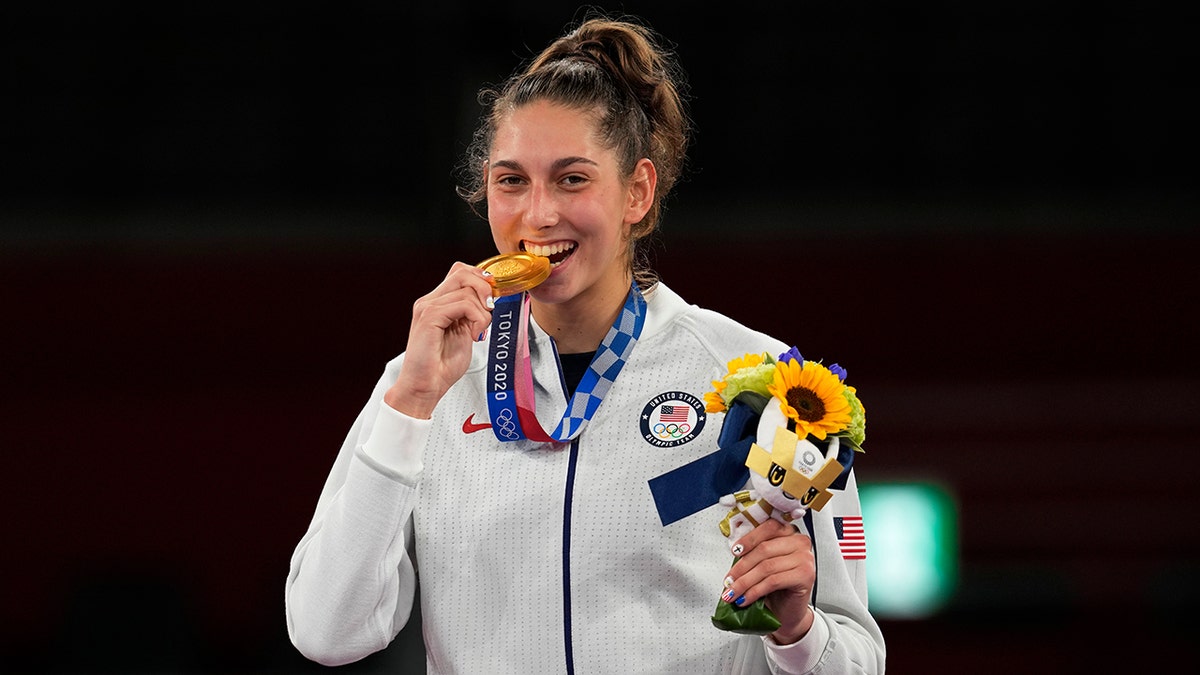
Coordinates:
510 371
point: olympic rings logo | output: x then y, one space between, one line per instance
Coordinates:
505 426
672 418
671 430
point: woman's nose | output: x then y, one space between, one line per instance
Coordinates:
542 209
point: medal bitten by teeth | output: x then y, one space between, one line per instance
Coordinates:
515 272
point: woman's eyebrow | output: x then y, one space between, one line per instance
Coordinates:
568 161
558 164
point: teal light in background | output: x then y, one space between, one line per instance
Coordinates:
912 548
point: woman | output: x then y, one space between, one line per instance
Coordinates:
537 542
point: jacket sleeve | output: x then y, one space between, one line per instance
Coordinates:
845 639
352 582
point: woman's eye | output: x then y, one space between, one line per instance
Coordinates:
574 179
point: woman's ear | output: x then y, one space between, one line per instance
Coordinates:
642 185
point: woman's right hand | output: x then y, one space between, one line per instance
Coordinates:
445 325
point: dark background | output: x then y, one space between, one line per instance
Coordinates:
214 219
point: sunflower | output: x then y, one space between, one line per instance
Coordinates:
812 396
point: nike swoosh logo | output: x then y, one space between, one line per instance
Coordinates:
470 427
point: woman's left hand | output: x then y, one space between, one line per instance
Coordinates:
776 562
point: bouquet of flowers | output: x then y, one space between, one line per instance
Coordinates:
801 406
814 397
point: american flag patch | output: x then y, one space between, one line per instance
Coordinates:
851 537
673 413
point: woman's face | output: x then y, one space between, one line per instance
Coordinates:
554 190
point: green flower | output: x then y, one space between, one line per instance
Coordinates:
753 378
856 433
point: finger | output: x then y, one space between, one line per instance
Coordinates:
767 530
767 558
463 275
461 306
792 573
780 558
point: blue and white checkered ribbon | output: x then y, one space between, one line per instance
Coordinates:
504 366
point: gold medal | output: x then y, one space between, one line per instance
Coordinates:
515 272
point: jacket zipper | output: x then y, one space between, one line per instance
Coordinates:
566 555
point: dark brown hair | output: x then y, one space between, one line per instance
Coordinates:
620 70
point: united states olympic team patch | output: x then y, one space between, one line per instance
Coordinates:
672 418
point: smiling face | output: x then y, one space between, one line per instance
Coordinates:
554 190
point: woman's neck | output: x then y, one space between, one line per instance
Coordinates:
580 325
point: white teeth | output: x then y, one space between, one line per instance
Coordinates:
548 250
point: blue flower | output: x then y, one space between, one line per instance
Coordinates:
792 354
839 371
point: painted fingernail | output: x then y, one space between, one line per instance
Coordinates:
728 582
727 596
740 600
490 302
737 549
487 273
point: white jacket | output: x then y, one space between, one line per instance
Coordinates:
551 558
